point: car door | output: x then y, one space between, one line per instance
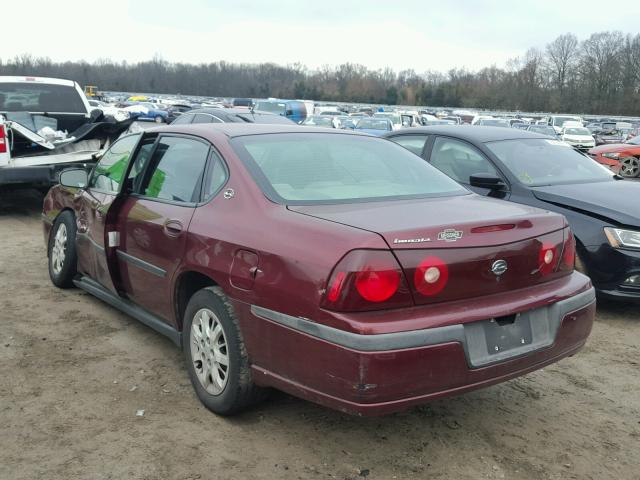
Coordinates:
92 206
460 160
154 218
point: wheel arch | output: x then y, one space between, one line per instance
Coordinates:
186 285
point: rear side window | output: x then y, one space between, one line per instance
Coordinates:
183 119
413 143
175 170
38 97
107 176
215 178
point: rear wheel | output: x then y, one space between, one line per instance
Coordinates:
62 251
629 167
159 120
215 354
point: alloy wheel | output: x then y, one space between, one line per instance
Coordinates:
59 250
630 167
209 352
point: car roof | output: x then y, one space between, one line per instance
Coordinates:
227 111
472 133
232 130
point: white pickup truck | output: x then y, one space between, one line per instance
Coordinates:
47 125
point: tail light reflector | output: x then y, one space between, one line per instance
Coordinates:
367 280
547 258
431 276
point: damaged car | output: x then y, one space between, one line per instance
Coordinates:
335 266
46 125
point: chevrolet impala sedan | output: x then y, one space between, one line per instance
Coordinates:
335 266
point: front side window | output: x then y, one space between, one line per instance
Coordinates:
413 143
459 159
175 170
108 173
308 168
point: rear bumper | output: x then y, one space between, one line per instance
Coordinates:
380 374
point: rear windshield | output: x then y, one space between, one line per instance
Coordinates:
273 107
310 168
38 97
577 131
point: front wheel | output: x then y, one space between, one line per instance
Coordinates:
62 253
215 354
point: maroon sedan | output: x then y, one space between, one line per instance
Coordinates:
335 266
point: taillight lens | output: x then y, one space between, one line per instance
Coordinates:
367 280
569 252
3 140
431 276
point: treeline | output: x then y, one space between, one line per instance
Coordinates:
599 75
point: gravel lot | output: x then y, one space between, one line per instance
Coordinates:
75 372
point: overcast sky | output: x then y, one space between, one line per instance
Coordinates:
418 34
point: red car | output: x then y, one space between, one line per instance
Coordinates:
335 266
622 158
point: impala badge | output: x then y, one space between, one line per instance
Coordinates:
450 235
499 267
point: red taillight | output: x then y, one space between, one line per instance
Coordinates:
569 252
547 258
431 276
3 140
377 285
367 280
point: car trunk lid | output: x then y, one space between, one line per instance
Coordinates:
481 246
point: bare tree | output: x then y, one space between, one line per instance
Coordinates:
562 56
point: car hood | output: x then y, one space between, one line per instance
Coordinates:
615 200
439 222
613 147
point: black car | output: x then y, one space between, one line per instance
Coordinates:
229 115
176 110
535 170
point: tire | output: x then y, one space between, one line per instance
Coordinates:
630 167
225 390
158 120
61 251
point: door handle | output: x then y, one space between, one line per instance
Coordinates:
172 227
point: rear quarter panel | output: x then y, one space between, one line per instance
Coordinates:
296 252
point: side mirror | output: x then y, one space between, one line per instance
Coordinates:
74 177
486 180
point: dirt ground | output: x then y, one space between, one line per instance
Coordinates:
75 372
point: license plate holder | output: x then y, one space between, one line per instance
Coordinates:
504 334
